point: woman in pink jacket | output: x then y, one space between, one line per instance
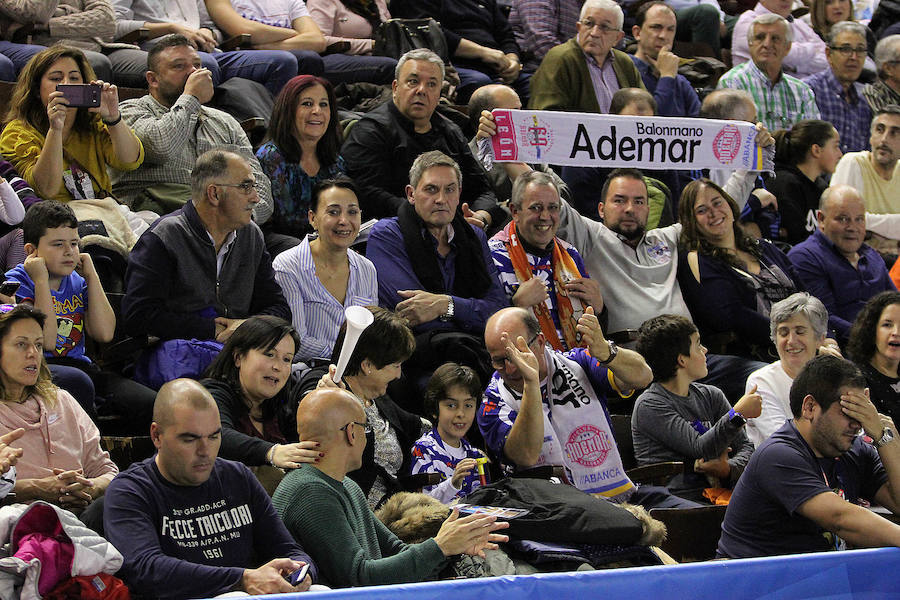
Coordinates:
62 462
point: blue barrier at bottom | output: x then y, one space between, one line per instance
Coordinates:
851 575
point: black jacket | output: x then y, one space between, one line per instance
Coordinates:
382 146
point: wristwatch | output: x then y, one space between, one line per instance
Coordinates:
613 351
448 316
886 438
736 418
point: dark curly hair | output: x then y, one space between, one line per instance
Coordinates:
861 347
693 239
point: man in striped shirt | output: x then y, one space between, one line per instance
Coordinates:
781 100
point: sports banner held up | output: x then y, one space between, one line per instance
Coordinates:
598 140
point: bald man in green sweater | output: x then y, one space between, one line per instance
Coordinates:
327 510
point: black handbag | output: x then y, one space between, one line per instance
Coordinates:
396 37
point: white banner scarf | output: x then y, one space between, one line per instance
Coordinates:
577 434
599 140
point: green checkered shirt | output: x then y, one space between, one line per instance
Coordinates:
779 105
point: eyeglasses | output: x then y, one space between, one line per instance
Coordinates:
603 27
248 188
499 363
366 426
846 51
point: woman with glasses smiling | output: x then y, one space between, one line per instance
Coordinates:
390 430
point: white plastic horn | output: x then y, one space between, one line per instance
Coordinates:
358 318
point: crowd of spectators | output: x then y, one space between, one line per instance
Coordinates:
248 170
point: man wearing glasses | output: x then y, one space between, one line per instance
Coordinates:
781 99
583 74
200 271
838 94
329 512
539 271
546 407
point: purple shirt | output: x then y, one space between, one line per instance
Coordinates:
831 278
604 80
847 110
387 252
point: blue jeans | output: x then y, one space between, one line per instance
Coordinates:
470 80
345 68
7 69
308 62
18 55
272 68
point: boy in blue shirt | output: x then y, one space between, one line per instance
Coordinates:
61 281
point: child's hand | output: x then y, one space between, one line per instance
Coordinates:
85 265
36 267
463 468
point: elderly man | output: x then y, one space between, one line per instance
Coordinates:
876 172
834 263
838 94
539 271
654 30
583 74
191 525
434 268
784 99
328 511
175 128
546 407
382 146
800 492
807 52
201 270
886 90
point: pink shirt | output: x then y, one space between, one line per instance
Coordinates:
339 24
62 437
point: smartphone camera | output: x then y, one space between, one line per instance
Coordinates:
9 288
297 577
81 95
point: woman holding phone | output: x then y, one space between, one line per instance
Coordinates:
61 150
